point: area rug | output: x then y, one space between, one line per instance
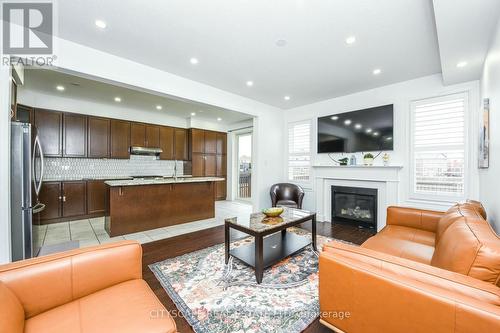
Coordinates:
216 298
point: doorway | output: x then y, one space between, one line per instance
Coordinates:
244 165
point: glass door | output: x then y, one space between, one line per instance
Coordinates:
244 145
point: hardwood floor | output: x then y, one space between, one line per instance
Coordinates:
176 246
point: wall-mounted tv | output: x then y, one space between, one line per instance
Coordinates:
357 131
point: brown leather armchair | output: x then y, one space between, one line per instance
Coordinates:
96 289
425 271
287 195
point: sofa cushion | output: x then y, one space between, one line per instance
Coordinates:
469 246
403 242
126 307
11 313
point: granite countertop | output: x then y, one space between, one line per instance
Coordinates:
68 179
139 181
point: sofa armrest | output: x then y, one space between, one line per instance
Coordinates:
362 290
414 218
46 282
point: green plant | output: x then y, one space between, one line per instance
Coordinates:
368 155
343 161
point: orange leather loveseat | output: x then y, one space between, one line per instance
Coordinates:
96 289
424 272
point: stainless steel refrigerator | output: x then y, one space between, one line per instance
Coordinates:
25 183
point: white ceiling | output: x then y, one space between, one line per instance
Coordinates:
76 87
235 41
465 29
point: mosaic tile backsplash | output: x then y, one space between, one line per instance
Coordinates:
85 168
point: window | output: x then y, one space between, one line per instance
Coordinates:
299 151
438 139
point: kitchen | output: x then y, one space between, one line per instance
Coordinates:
124 176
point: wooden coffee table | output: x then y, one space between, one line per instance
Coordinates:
272 242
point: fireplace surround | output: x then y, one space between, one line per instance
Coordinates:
354 205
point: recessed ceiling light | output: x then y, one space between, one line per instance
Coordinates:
334 117
250 83
377 71
159 107
462 64
219 119
281 42
60 88
193 114
358 126
350 40
348 121
376 134
193 61
118 99
286 98
101 24
368 130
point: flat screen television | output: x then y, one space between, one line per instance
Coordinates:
357 131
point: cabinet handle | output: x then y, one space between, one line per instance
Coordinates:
60 198
64 198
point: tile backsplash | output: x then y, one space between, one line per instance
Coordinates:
80 168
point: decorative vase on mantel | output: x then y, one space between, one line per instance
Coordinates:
368 159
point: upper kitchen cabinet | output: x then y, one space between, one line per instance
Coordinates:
221 143
74 135
98 137
120 138
24 114
197 138
167 143
210 142
49 129
137 135
181 144
152 138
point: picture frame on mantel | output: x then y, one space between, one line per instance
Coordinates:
484 136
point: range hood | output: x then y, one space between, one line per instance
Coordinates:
145 151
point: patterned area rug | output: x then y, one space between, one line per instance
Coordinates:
215 298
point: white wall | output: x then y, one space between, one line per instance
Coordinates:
401 95
490 88
4 165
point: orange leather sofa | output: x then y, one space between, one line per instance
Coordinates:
96 289
425 271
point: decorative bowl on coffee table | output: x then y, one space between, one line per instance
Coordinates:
273 212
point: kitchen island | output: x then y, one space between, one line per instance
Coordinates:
144 204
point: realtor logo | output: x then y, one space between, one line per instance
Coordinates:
27 28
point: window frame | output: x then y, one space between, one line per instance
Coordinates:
303 183
414 195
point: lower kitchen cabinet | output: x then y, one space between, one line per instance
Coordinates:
96 197
74 198
50 196
220 190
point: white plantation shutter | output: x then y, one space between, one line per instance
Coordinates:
299 151
439 146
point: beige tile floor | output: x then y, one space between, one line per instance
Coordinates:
90 232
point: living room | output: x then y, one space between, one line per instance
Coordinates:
261 167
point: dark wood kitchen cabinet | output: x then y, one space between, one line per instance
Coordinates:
74 198
98 134
120 139
210 142
74 135
221 143
49 129
152 138
221 165
198 165
96 197
137 134
221 190
181 144
197 138
167 143
210 165
50 196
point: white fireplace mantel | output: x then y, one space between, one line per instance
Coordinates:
383 178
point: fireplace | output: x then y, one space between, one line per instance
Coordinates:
354 205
